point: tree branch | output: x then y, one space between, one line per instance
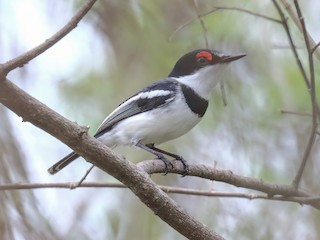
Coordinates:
292 46
215 9
206 42
92 150
33 53
297 21
312 91
226 176
167 189
302 114
315 106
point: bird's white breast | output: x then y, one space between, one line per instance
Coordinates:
155 126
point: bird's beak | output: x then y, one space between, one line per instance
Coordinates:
230 58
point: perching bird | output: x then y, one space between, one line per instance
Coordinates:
165 110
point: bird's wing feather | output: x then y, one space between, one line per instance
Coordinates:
154 96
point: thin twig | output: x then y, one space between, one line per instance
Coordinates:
24 186
296 20
75 185
205 35
203 26
312 90
245 11
271 191
180 28
315 47
293 48
31 54
296 113
218 9
167 189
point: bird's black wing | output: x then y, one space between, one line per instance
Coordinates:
154 96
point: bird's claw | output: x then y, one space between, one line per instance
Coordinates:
167 163
185 166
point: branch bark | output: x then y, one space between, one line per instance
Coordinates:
166 189
227 176
92 150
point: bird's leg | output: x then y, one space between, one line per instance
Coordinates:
159 155
177 157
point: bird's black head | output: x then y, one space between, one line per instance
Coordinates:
197 59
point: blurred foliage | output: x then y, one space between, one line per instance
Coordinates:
249 136
15 206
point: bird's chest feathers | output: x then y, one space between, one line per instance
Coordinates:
160 125
169 123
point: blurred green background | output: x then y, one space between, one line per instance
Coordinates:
120 47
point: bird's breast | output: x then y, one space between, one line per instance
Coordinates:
155 126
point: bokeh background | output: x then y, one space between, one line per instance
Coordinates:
118 48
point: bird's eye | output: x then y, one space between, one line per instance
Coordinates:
202 61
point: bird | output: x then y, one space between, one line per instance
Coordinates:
164 110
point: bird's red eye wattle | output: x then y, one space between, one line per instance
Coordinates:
204 55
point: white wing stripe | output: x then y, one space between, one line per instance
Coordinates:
149 94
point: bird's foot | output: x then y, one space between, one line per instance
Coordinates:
185 165
167 163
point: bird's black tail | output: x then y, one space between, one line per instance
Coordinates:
63 163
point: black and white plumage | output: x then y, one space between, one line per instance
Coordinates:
165 110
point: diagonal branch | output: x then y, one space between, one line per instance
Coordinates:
315 47
31 54
91 149
296 20
294 50
292 46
